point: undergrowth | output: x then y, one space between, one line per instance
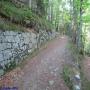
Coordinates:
75 54
85 82
23 16
9 66
67 72
5 25
79 58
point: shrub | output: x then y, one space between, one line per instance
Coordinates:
9 66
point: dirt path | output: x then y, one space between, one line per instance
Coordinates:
43 72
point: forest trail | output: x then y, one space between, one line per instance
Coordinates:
43 72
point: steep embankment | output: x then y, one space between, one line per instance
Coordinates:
23 16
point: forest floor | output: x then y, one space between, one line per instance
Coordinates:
43 71
86 67
85 64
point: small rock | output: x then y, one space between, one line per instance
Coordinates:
52 72
77 87
77 77
56 69
51 82
47 88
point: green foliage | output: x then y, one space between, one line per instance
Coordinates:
9 66
86 18
67 72
10 26
76 55
18 14
22 15
86 21
41 7
87 46
87 49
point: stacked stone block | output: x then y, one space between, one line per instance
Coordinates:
16 45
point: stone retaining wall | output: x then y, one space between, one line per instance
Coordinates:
15 45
